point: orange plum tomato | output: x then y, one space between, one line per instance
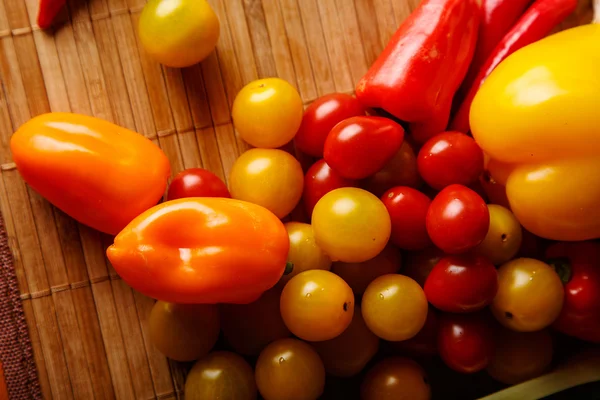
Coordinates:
503 238
521 356
530 295
221 375
196 182
396 378
394 307
248 328
304 253
178 33
359 275
351 225
184 332
347 354
268 177
290 369
317 305
267 112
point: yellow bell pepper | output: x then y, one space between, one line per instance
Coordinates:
537 117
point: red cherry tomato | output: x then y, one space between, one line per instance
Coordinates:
408 209
466 341
424 344
320 179
196 182
321 116
463 283
418 264
457 220
360 146
448 158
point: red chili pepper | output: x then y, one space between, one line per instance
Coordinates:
578 264
419 71
537 22
47 11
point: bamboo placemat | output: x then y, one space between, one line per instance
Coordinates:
88 329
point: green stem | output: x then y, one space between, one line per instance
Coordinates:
289 267
562 266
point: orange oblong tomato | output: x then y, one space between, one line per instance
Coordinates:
202 250
100 174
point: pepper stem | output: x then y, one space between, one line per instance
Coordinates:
289 267
562 266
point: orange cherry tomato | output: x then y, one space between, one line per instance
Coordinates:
396 378
98 173
268 177
290 369
317 305
347 354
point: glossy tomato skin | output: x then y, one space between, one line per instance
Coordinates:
466 341
450 158
321 116
360 146
462 284
319 180
424 344
396 378
197 182
408 210
458 219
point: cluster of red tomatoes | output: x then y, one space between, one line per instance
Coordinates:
395 251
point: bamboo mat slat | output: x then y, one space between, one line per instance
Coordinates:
88 329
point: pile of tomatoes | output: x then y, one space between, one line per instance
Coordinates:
395 257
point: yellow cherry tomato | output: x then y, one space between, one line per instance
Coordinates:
359 275
178 33
221 375
351 225
530 295
317 305
268 177
394 307
290 369
347 354
396 378
184 332
248 328
304 253
267 112
504 236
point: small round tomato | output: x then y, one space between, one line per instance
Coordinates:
267 112
520 356
495 192
304 253
450 158
360 146
394 307
320 179
221 375
530 295
268 177
408 209
184 332
401 170
178 33
351 225
360 275
290 369
418 264
248 328
457 220
396 378
466 341
317 305
503 239
347 354
196 182
321 116
424 343
463 283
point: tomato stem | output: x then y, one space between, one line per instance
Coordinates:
289 267
562 266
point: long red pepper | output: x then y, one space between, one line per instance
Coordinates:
47 11
424 63
537 22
